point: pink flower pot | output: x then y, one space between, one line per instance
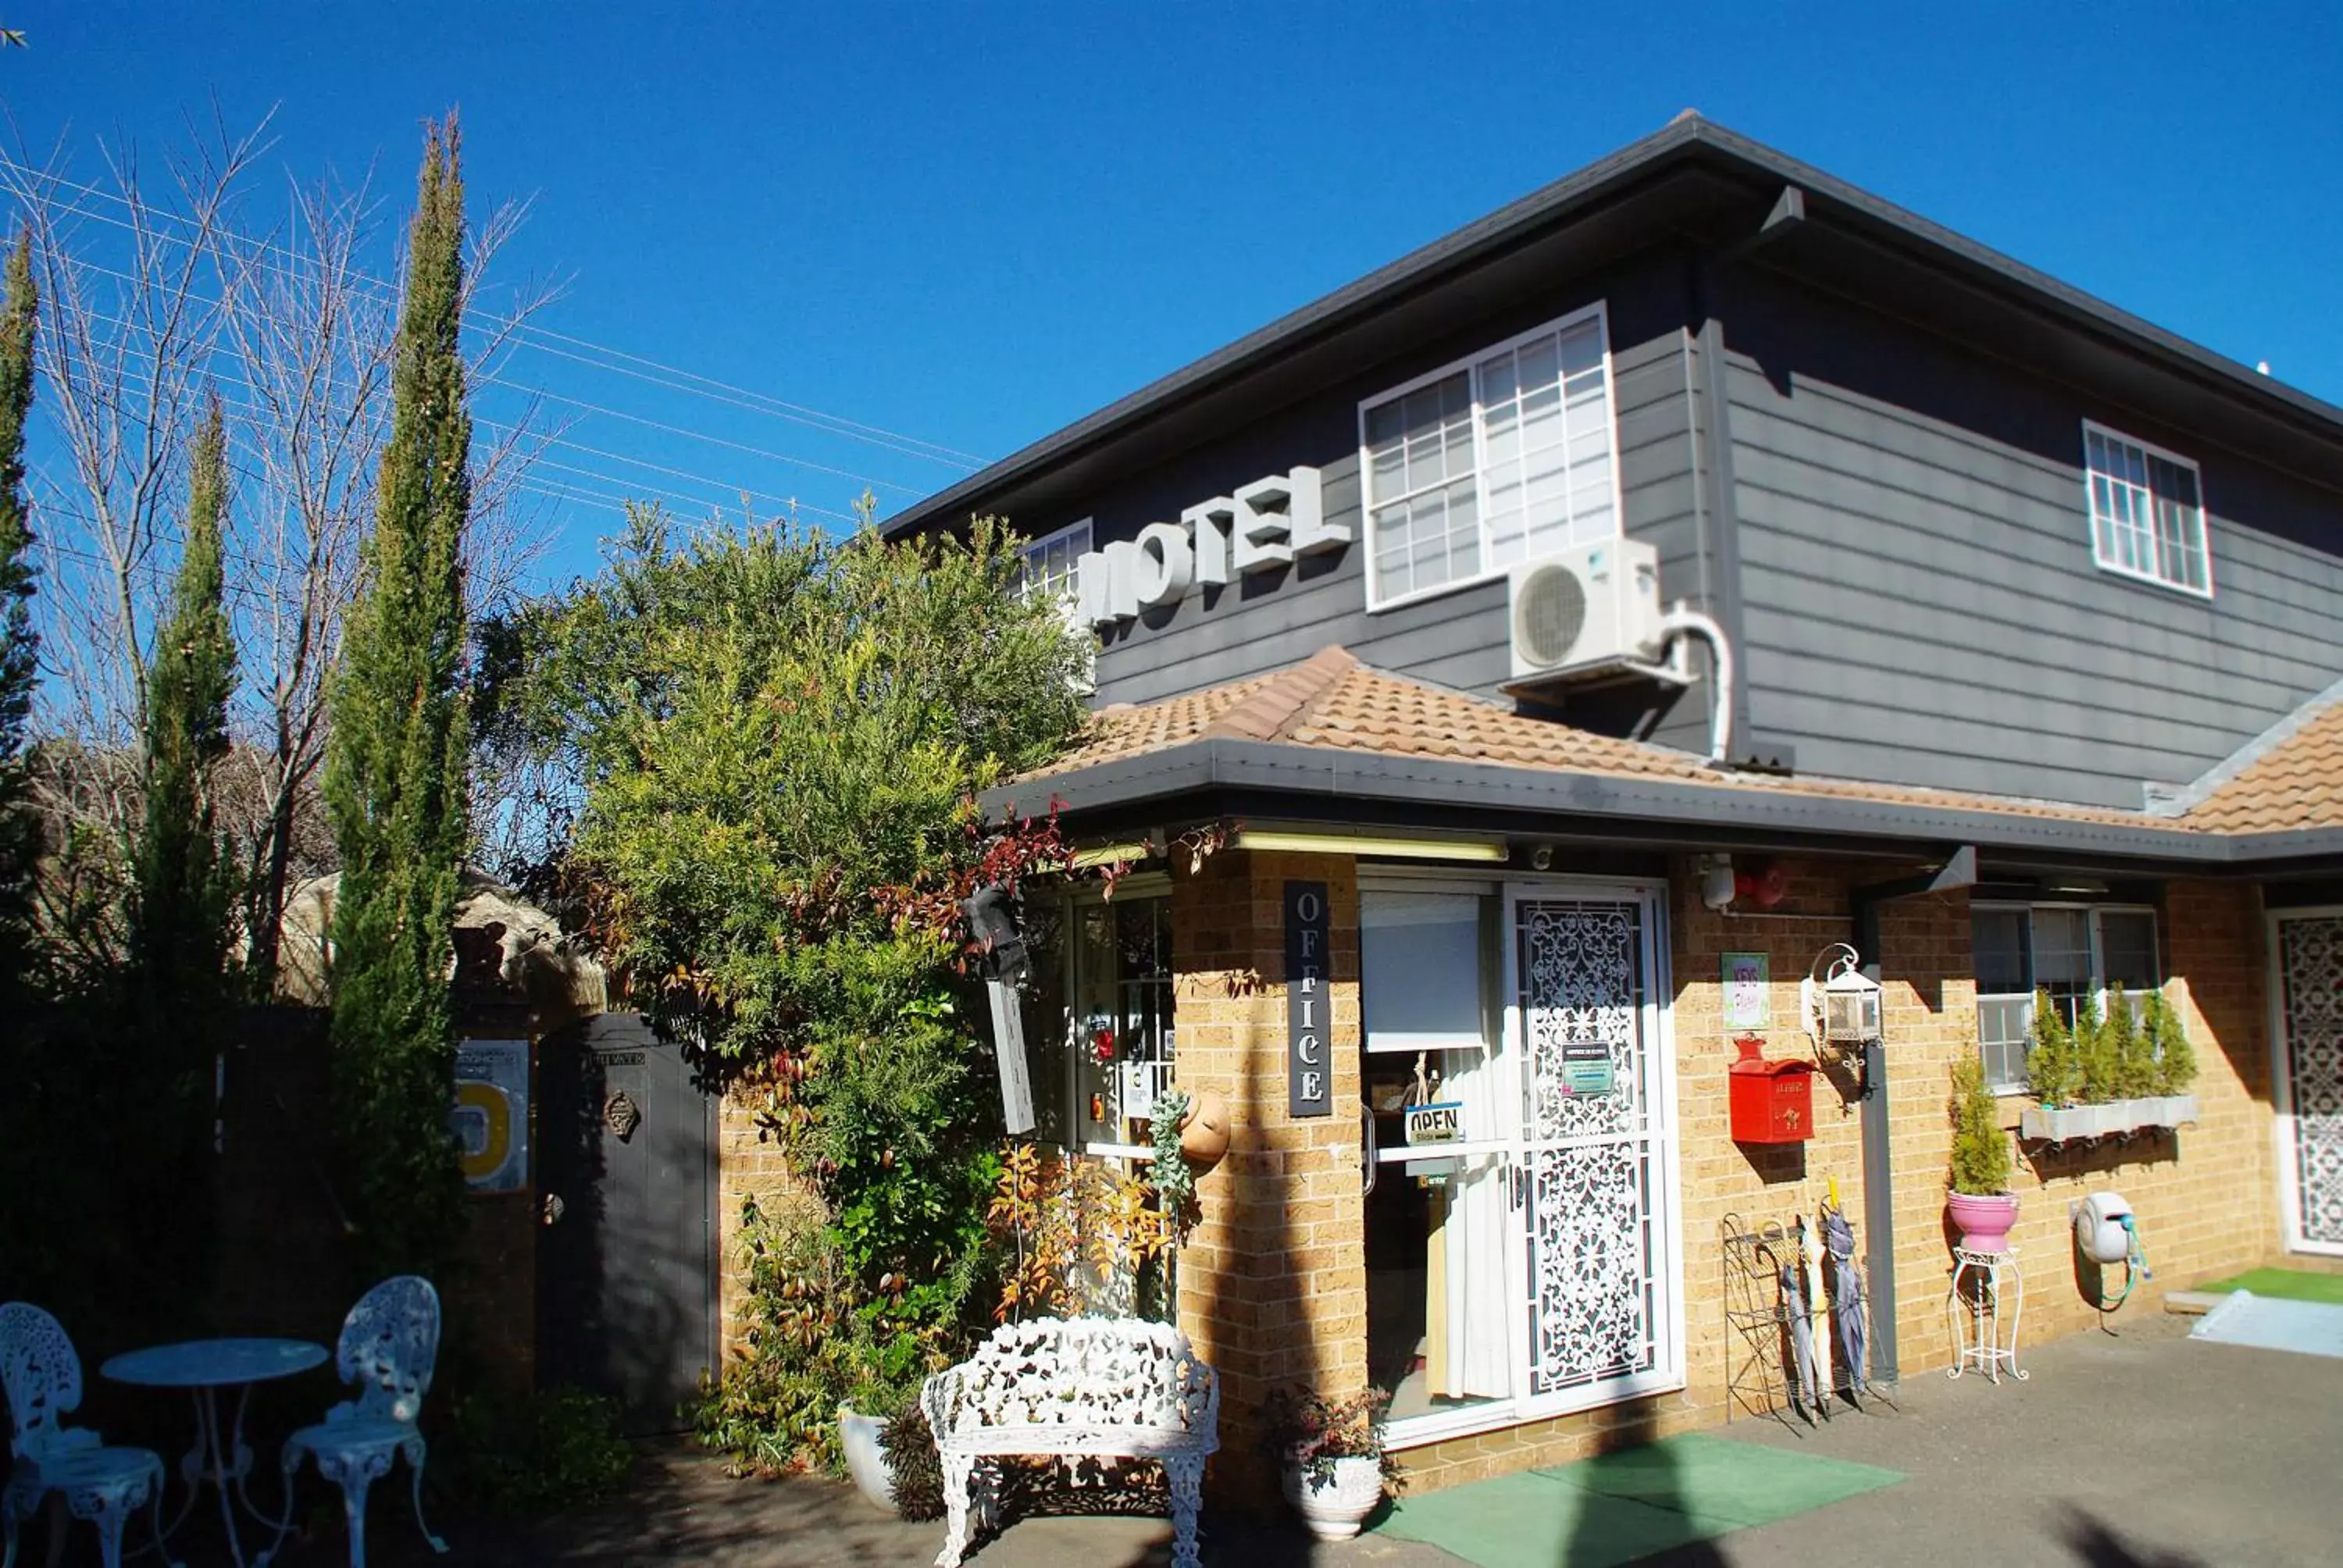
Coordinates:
1984 1221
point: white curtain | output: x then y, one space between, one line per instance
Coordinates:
1478 1231
1422 965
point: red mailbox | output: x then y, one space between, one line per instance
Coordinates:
1772 1101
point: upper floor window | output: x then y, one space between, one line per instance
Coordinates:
2147 514
2074 954
1494 460
1053 563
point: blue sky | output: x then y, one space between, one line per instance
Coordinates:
971 223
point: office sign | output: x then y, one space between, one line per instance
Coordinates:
1257 527
1309 1059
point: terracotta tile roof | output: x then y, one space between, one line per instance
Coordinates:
1332 700
2296 783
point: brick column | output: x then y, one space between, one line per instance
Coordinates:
1273 1283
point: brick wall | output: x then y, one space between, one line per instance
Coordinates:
746 1166
2207 1197
1272 1285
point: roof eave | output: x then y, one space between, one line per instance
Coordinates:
1217 764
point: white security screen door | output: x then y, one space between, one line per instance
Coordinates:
2310 961
1599 1147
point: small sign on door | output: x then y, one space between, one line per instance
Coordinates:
1438 1123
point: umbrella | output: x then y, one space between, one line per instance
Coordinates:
1802 1338
1847 1300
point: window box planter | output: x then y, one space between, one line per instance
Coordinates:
2058 1123
2074 1123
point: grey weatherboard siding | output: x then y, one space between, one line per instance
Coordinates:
1920 600
1903 549
1457 638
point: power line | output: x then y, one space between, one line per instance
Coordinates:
135 352
867 481
715 388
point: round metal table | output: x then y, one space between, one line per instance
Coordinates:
203 1367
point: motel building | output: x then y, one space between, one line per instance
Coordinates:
1519 671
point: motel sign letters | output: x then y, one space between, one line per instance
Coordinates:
1258 528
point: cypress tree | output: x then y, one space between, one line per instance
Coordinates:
183 885
19 645
395 776
156 1058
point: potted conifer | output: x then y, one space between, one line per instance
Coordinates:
2054 1071
2174 1064
1982 1205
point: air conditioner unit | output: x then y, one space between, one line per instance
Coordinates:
1588 612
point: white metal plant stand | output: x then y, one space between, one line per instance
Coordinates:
1994 1303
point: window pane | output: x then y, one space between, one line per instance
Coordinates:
1420 970
1124 1033
2061 947
2127 948
2003 1026
2000 940
1421 439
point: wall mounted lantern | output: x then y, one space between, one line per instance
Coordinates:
1840 1003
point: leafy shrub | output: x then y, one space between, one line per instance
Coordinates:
779 738
1305 1428
533 1453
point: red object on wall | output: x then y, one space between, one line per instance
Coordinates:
1772 1101
1763 889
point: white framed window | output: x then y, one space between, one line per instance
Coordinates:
2074 952
1119 1027
1500 458
1053 563
2148 511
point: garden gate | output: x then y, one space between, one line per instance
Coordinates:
627 1264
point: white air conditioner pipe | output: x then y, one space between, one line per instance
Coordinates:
1674 626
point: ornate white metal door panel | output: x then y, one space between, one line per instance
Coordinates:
1598 1163
2310 979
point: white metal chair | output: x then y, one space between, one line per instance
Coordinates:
389 1344
99 1483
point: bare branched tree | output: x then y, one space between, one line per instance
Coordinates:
149 299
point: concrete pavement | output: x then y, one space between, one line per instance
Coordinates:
2145 1451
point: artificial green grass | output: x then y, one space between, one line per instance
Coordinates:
1619 1507
2287 1285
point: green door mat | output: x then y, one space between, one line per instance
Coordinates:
2287 1285
1619 1507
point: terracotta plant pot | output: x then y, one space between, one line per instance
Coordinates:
866 1456
1204 1128
1983 1220
1337 1499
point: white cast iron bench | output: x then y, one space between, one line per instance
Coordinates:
1076 1387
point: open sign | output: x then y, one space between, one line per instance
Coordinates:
1442 1122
